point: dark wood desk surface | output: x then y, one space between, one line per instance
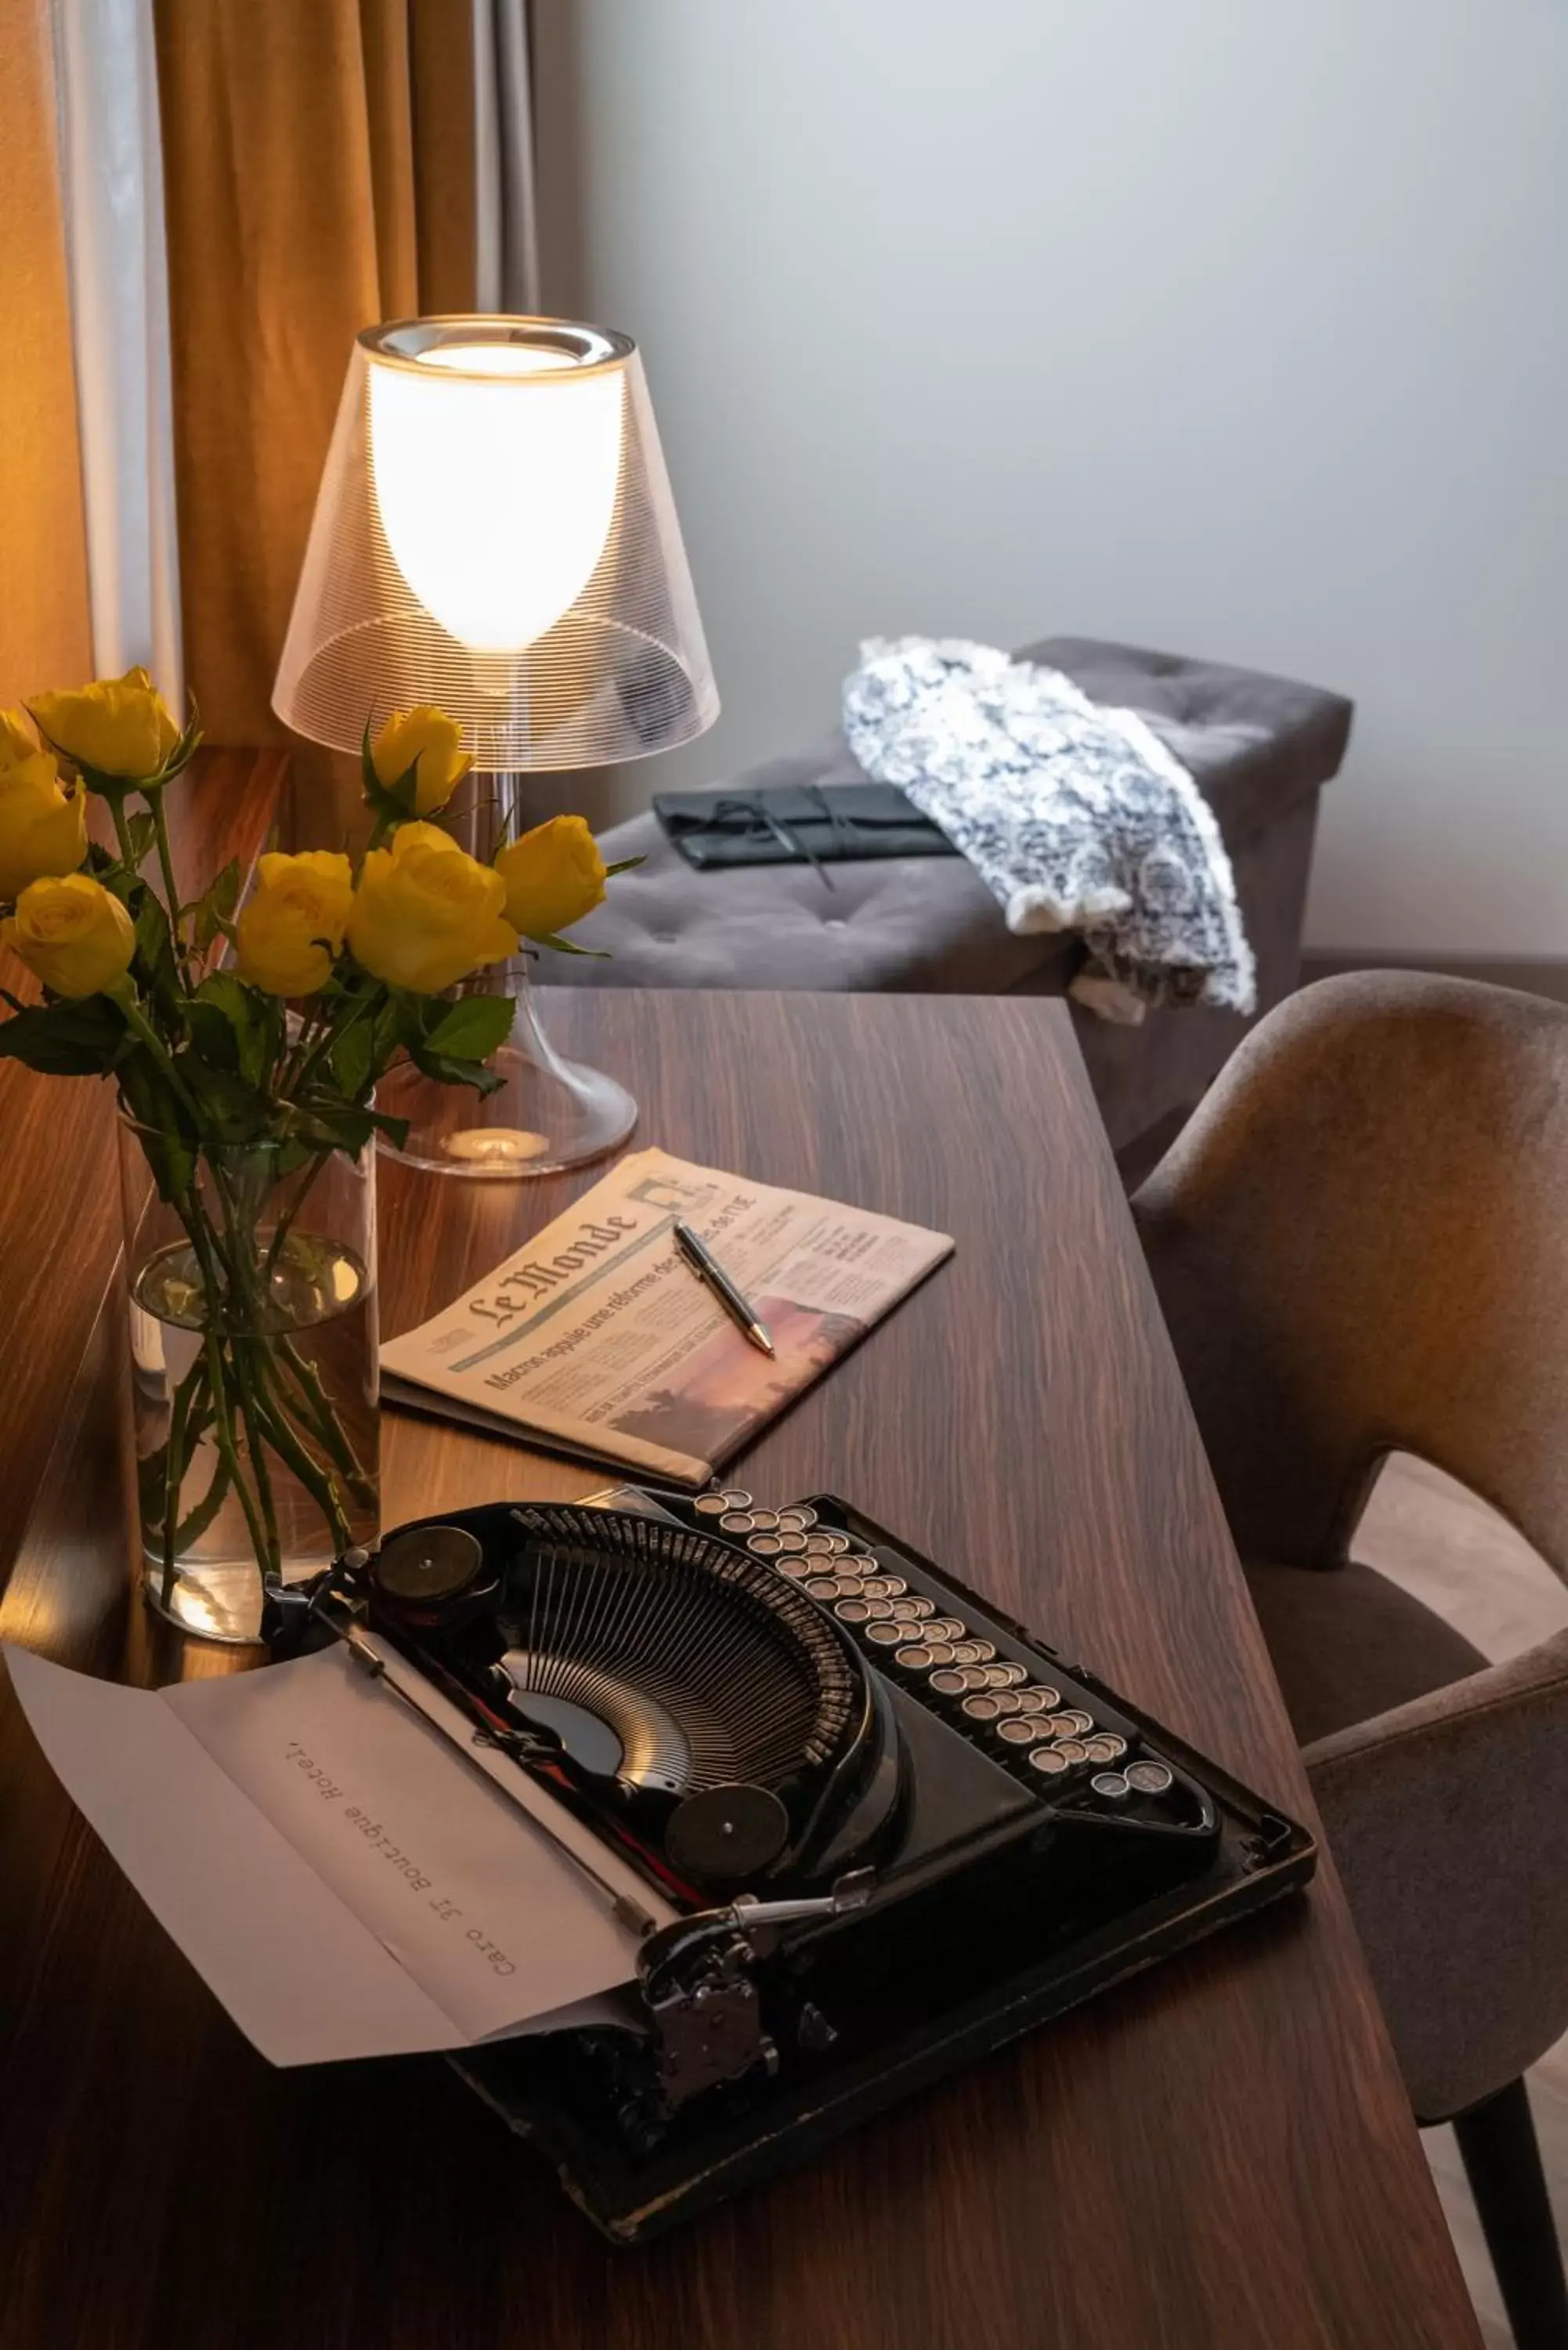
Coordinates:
1217 2154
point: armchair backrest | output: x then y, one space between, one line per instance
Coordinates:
1360 1243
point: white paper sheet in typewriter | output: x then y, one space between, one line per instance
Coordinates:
344 1881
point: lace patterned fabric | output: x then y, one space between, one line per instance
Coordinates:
1075 817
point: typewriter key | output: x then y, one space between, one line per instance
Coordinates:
940 1652
1149 1778
711 1505
970 1652
1050 1699
946 1627
852 1611
429 1564
764 1545
798 1518
823 1586
880 1611
736 1521
896 1587
903 1611
1073 1751
841 1544
737 1497
1112 1784
973 1676
881 1586
923 1606
984 1653
915 1659
819 1545
1019 1731
1105 1747
1050 1761
798 1569
981 1709
1036 1700
766 1522
1004 1701
794 1544
949 1683
1076 1722
885 1636
1013 1676
861 1564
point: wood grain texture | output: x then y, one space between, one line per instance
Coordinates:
59 1211
1219 2155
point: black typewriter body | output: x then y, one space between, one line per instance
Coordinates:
893 1829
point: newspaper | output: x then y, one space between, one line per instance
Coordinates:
598 1339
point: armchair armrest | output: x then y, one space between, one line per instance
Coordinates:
1448 1818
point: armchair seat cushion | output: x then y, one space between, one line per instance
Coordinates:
1347 1645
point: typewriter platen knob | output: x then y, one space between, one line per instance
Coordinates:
722 1836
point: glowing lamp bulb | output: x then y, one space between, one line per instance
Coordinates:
495 468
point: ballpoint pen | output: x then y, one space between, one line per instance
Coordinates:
715 1278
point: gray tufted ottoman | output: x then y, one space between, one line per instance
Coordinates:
1260 748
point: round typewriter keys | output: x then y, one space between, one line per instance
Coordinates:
1105 1746
711 1505
736 1521
1076 1722
791 1542
853 1611
764 1522
1150 1778
738 1498
1112 1784
798 1569
798 1519
916 1658
765 1545
885 1636
981 1709
950 1681
1019 1731
1050 1761
1005 1677
1073 1751
428 1565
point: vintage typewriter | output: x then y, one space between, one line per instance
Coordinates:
892 1829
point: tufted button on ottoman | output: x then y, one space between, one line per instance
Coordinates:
1260 749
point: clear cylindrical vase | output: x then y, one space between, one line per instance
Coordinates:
252 1282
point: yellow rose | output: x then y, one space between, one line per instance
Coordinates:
16 741
428 736
41 831
72 934
291 930
119 726
554 876
425 914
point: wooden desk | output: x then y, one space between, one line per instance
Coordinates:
1217 2154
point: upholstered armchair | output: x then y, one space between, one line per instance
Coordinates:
1361 1246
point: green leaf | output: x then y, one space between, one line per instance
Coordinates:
626 864
154 944
352 1057
80 1039
143 832
232 1027
471 1028
213 910
564 946
448 1072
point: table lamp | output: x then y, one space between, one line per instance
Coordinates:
494 533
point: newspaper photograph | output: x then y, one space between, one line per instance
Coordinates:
597 1338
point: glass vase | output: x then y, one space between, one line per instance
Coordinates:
252 1284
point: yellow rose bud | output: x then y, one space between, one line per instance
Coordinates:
76 937
17 739
291 930
425 914
432 739
119 726
554 876
42 831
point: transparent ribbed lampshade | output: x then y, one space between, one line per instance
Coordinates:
494 531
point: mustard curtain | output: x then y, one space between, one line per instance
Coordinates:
44 633
319 174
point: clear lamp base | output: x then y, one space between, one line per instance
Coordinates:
548 1113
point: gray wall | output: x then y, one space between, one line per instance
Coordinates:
1234 327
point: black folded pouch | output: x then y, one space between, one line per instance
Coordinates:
797 824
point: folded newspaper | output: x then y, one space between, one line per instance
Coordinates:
598 1339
